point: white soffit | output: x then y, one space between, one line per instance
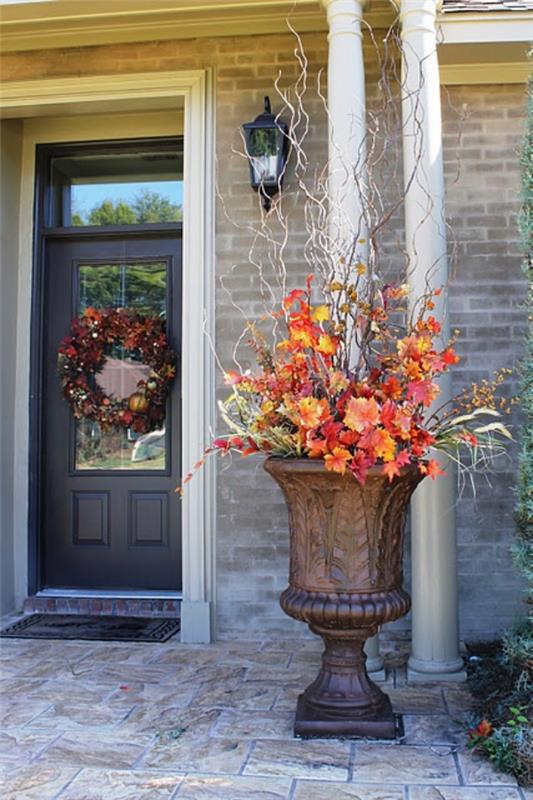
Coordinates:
43 24
486 27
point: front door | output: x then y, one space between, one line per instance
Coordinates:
110 517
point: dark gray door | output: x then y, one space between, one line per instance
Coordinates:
110 515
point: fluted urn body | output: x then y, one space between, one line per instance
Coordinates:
346 574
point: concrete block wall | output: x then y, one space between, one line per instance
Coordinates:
252 546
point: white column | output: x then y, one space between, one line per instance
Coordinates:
435 637
347 160
347 125
374 660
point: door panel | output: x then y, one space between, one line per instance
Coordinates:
111 518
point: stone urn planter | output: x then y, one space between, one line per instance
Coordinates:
346 547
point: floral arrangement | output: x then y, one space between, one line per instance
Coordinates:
306 400
82 356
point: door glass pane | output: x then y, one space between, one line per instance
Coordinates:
121 188
143 288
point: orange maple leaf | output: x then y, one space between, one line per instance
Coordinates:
391 469
432 469
336 462
316 447
383 444
361 413
312 411
484 728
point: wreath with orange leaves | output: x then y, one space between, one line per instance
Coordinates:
83 354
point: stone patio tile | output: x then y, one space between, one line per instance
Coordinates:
164 696
431 729
477 770
255 724
152 718
117 653
287 697
19 746
39 782
462 793
20 712
94 784
55 667
306 660
19 688
253 658
318 790
72 714
242 644
417 700
22 650
392 763
193 754
187 723
18 663
185 658
256 696
62 691
281 675
129 673
309 645
111 750
216 787
458 699
210 675
300 759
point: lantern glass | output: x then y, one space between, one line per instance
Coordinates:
264 149
267 148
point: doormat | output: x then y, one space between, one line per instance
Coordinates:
97 629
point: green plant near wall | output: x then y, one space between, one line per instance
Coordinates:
518 642
523 550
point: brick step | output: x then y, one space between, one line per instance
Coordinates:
98 606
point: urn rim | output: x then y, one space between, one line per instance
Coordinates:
276 464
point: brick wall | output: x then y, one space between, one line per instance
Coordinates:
252 547
487 293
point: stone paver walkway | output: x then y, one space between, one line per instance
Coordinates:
93 721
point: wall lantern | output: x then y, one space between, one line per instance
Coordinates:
267 148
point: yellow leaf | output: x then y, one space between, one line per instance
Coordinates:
320 314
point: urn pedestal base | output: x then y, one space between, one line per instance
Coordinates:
308 725
342 700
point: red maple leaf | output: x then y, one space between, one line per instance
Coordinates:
422 391
360 464
387 414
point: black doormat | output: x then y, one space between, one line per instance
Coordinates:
98 629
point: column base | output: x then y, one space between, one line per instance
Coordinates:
420 671
309 724
376 670
196 627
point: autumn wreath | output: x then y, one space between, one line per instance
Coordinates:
83 354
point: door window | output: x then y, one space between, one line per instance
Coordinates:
141 287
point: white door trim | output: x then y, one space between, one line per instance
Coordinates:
193 92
